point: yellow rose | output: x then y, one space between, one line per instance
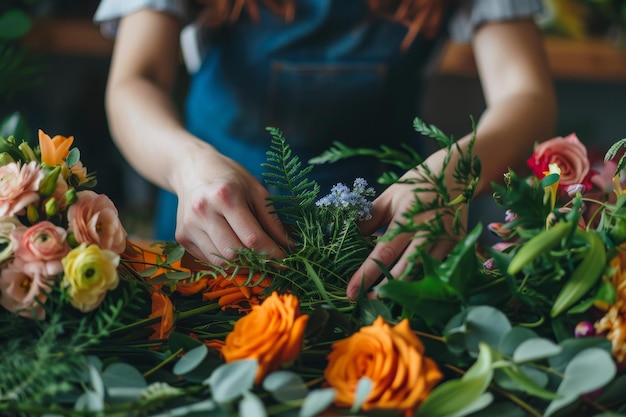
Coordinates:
89 273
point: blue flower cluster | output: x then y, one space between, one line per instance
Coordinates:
353 200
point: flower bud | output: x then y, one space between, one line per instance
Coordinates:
27 151
575 189
584 329
51 206
488 264
49 183
5 158
32 214
71 240
70 196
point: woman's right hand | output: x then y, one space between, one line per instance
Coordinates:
222 208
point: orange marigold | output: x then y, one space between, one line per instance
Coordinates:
232 292
272 333
162 307
392 358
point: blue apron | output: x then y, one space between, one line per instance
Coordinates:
336 73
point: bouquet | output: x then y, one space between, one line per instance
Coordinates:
530 326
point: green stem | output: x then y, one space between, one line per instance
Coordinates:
163 363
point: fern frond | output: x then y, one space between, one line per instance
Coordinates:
284 171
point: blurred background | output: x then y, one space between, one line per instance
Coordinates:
54 64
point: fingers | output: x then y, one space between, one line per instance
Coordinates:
386 253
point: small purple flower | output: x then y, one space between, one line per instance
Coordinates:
344 199
509 216
489 265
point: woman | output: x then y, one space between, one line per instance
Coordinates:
320 70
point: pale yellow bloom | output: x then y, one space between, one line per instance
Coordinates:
89 273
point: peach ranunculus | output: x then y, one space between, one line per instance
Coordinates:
162 307
392 358
19 186
54 150
93 218
569 154
7 225
40 248
89 273
23 293
272 333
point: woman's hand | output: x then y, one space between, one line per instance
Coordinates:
221 208
388 211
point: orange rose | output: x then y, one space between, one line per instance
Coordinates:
392 357
272 333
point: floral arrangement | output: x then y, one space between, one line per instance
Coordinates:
533 325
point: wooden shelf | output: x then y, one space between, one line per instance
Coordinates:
68 36
589 60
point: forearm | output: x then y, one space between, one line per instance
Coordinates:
147 129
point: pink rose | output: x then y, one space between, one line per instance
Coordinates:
569 154
19 187
94 219
23 294
40 248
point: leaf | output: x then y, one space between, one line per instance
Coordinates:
251 405
586 372
122 375
14 24
513 338
429 298
14 125
231 380
89 401
285 386
317 401
528 380
191 360
479 404
572 347
456 395
96 381
454 270
485 324
535 349
363 390
178 341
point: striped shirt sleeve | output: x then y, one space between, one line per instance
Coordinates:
109 12
472 13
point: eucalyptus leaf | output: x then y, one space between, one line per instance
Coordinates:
485 324
571 348
317 401
89 401
501 409
231 380
96 381
191 360
535 349
285 386
587 371
513 338
251 405
453 396
122 375
363 390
